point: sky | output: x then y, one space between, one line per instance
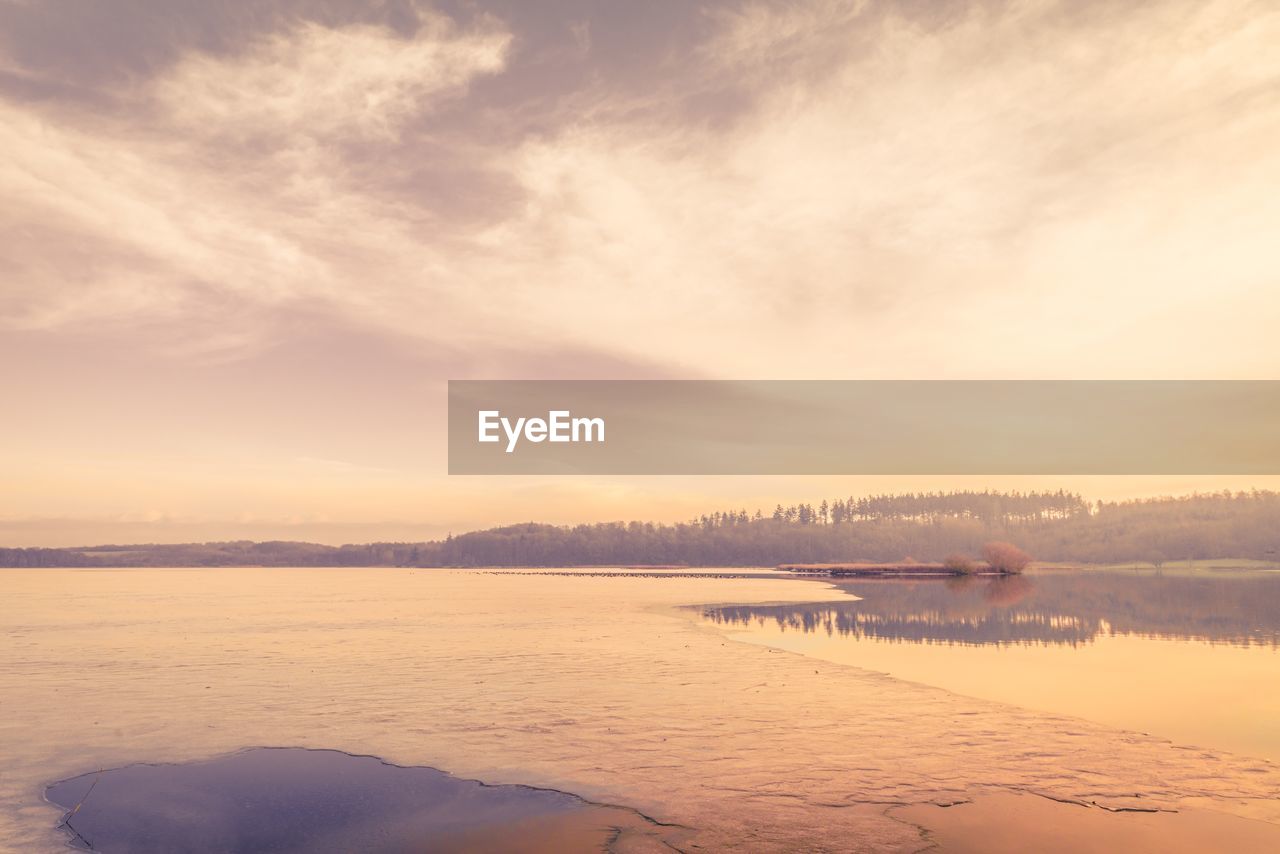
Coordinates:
247 243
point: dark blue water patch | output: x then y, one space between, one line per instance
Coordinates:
296 800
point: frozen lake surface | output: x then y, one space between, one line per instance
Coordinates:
608 687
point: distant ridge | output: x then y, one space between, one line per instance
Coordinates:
878 529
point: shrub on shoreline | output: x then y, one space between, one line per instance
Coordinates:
1005 557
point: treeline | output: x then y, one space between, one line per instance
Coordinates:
235 553
1052 526
1004 508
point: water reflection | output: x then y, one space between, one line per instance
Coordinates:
1191 657
1055 609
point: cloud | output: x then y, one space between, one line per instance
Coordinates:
906 186
236 235
879 178
220 189
321 83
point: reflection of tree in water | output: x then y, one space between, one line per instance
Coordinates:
1007 591
1049 609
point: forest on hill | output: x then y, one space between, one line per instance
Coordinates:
1052 526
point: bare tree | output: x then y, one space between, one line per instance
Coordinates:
1005 557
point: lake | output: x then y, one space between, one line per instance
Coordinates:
1192 658
623 691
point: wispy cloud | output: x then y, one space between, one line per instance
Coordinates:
267 196
879 168
324 84
222 186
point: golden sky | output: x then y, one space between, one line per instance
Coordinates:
246 244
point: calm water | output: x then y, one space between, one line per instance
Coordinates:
1194 658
